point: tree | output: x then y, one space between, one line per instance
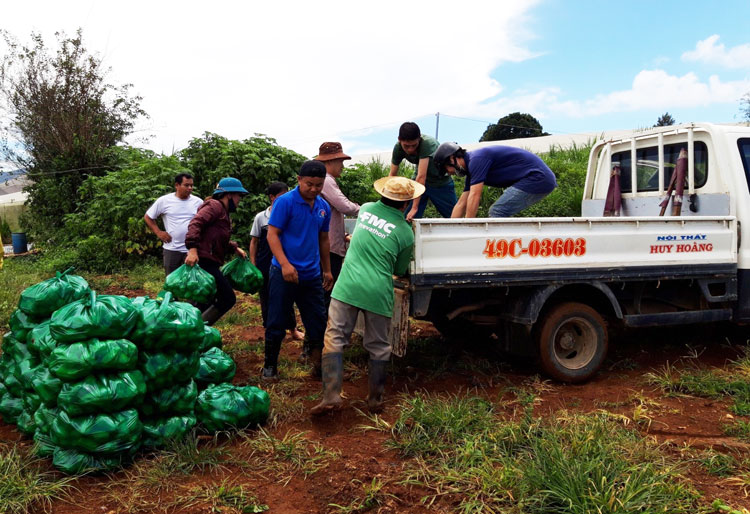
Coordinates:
65 123
665 120
513 126
745 107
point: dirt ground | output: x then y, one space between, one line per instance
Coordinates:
679 421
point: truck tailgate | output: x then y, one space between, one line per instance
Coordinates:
493 245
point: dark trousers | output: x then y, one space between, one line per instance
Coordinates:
225 298
173 260
308 295
336 262
291 323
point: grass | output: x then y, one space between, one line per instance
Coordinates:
464 454
226 497
17 274
24 485
373 495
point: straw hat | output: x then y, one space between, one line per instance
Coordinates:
398 188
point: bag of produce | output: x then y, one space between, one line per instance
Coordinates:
8 377
46 385
167 324
39 341
75 462
178 399
105 317
243 275
44 416
10 407
78 360
31 402
216 367
191 283
98 433
44 298
224 406
168 368
159 431
211 339
24 366
102 393
21 324
25 423
43 445
9 344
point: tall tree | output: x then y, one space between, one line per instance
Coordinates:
665 120
513 126
65 122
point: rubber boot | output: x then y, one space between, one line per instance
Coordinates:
316 352
333 372
271 364
376 378
304 356
211 315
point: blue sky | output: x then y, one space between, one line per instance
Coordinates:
307 72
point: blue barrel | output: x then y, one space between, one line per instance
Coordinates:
19 242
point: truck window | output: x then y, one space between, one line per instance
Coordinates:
744 145
647 166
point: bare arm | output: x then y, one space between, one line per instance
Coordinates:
253 249
161 234
472 203
325 260
460 208
287 269
421 178
394 170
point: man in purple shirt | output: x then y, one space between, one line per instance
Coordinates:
524 176
333 156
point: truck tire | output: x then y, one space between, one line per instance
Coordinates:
572 342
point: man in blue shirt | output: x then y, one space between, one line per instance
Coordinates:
298 237
525 177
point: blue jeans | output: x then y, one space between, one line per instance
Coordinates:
513 201
442 197
307 294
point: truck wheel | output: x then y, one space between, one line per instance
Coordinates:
572 341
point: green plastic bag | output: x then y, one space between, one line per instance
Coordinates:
105 317
10 408
9 344
75 462
21 324
46 385
168 324
43 445
39 341
43 417
25 364
44 298
158 432
243 275
216 367
167 369
102 393
191 283
224 406
8 377
211 339
31 402
98 433
179 399
78 360
25 423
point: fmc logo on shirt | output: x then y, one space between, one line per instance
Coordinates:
375 224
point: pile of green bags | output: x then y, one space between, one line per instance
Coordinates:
94 378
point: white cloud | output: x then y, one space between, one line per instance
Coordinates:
709 52
296 70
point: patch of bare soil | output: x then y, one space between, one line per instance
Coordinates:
619 388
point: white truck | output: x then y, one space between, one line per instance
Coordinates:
549 287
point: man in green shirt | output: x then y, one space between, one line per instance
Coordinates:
381 247
418 149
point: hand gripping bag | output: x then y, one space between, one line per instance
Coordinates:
104 434
224 406
168 368
191 283
168 324
106 317
44 298
211 339
216 367
21 324
158 432
78 360
74 462
243 275
178 399
102 393
39 341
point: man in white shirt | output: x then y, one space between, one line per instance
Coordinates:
333 156
176 210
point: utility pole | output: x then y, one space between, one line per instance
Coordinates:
437 125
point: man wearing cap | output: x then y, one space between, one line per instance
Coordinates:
381 247
418 149
208 242
298 237
175 210
333 156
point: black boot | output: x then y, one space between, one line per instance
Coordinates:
271 364
316 353
332 365
211 315
376 379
